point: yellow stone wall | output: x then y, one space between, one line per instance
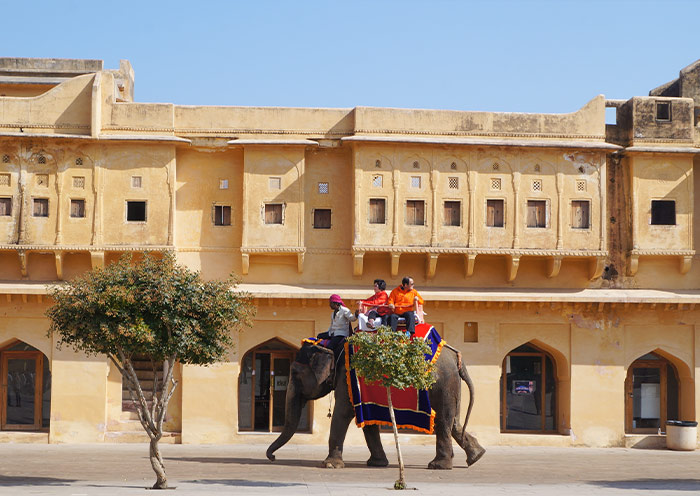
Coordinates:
83 139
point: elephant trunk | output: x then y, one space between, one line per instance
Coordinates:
294 405
465 377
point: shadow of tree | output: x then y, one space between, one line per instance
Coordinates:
242 483
23 480
652 484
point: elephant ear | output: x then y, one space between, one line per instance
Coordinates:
321 364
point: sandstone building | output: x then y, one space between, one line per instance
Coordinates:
554 250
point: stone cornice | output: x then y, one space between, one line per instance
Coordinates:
77 248
479 251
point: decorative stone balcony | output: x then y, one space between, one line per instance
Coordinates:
512 258
97 253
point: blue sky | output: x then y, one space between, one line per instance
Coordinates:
515 56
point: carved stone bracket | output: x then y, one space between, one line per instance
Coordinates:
431 265
300 262
358 262
59 264
395 263
553 266
595 267
632 264
469 264
512 264
97 259
686 262
245 263
23 263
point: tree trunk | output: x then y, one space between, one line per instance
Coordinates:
158 467
401 483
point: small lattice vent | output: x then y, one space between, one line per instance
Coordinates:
453 166
378 164
322 188
496 184
4 179
416 165
537 185
415 182
41 159
580 185
79 182
275 183
453 182
495 166
5 159
42 180
377 181
538 168
78 161
136 181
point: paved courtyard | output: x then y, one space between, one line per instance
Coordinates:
119 469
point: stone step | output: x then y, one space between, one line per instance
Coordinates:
21 437
645 441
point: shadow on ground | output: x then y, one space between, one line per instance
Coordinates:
290 462
242 483
652 484
22 480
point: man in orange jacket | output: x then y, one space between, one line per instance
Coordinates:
402 301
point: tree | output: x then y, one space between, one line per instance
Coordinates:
393 360
155 308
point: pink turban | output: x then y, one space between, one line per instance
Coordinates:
336 299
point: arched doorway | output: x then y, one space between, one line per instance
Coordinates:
652 394
26 384
528 391
262 388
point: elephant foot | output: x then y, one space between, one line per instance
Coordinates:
377 462
440 464
332 463
474 454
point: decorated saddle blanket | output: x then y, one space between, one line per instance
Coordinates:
411 406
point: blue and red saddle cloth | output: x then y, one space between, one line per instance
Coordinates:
411 406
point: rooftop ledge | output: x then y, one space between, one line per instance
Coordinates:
633 296
596 296
510 142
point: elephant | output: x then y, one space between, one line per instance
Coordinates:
313 375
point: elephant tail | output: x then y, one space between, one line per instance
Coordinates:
470 384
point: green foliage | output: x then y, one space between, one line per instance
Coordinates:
154 307
392 359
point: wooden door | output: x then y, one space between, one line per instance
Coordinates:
22 377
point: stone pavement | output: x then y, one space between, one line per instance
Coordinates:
121 469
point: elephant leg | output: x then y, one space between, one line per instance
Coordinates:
443 443
469 444
376 450
342 415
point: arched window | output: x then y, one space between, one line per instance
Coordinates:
26 380
528 391
652 394
262 388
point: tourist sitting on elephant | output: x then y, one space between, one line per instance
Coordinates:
340 324
374 310
402 302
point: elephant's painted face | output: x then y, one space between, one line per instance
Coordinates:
315 373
